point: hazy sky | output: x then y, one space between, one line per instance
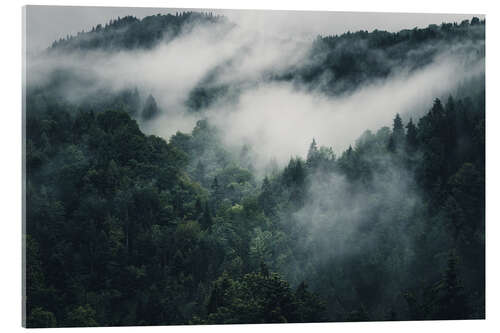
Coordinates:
44 24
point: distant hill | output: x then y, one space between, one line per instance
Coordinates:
352 58
337 64
334 64
130 32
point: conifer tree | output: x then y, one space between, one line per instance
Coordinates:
411 142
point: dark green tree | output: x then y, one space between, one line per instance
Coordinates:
411 143
150 109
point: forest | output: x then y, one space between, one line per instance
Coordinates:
127 227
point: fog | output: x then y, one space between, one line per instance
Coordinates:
341 220
278 119
282 120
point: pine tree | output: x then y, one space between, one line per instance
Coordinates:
206 219
398 134
150 109
266 199
450 139
411 143
216 194
451 302
312 155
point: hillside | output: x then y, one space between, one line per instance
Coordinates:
131 33
128 226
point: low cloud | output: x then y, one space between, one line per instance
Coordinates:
279 119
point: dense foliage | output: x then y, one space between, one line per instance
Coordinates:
123 228
338 64
130 32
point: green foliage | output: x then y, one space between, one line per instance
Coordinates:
338 63
445 299
150 109
82 316
130 32
39 318
129 229
260 298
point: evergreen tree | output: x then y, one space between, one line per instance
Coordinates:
206 219
411 143
312 155
266 197
452 302
150 109
397 138
124 228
